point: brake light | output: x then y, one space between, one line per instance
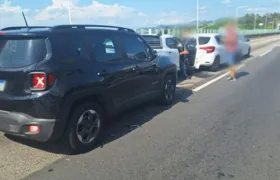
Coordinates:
2 32
39 81
208 49
51 79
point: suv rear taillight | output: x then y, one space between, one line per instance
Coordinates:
40 80
208 49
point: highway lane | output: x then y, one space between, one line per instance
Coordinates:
18 159
228 130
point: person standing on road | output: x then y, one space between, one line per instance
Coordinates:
182 62
183 55
230 42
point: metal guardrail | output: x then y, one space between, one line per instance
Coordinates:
178 32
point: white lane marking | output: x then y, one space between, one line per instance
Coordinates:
214 80
265 53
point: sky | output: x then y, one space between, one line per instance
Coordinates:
128 13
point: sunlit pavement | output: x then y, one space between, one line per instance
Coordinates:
223 131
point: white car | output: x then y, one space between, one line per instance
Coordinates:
211 51
165 45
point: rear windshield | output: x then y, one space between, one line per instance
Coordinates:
203 40
21 52
153 41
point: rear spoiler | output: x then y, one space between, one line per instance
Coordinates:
24 27
4 35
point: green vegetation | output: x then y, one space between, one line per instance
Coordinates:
247 22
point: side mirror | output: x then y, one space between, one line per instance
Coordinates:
140 56
247 39
155 52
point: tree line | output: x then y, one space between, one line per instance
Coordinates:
248 21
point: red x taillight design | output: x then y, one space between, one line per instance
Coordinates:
40 81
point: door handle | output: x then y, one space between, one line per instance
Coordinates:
169 52
102 73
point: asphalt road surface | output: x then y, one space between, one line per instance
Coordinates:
227 130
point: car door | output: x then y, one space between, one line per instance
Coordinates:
190 46
145 68
112 68
173 51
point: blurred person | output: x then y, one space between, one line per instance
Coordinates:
183 52
230 42
183 70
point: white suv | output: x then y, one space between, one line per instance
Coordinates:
211 51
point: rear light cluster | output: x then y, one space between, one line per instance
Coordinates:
208 49
41 81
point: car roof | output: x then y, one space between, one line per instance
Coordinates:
23 30
206 34
163 35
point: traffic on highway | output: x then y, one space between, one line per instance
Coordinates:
92 101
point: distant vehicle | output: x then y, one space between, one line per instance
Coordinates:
211 50
64 81
165 45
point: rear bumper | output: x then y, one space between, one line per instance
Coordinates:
205 60
17 124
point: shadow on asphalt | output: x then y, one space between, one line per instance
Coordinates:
241 74
121 125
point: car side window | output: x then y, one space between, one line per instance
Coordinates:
218 39
133 46
81 47
171 43
104 48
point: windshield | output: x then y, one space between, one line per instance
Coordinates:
21 52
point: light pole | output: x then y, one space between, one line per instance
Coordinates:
265 25
197 31
197 16
255 21
236 12
69 12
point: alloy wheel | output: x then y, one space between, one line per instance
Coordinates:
88 126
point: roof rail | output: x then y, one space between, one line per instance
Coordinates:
91 26
23 27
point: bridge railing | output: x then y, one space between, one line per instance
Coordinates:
178 32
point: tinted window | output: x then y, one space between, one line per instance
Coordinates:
103 48
218 39
133 45
171 43
80 47
203 40
153 41
21 52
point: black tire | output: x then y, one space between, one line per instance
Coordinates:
72 137
249 52
216 65
167 95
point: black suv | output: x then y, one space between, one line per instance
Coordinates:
64 81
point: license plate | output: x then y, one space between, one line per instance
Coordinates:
2 85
